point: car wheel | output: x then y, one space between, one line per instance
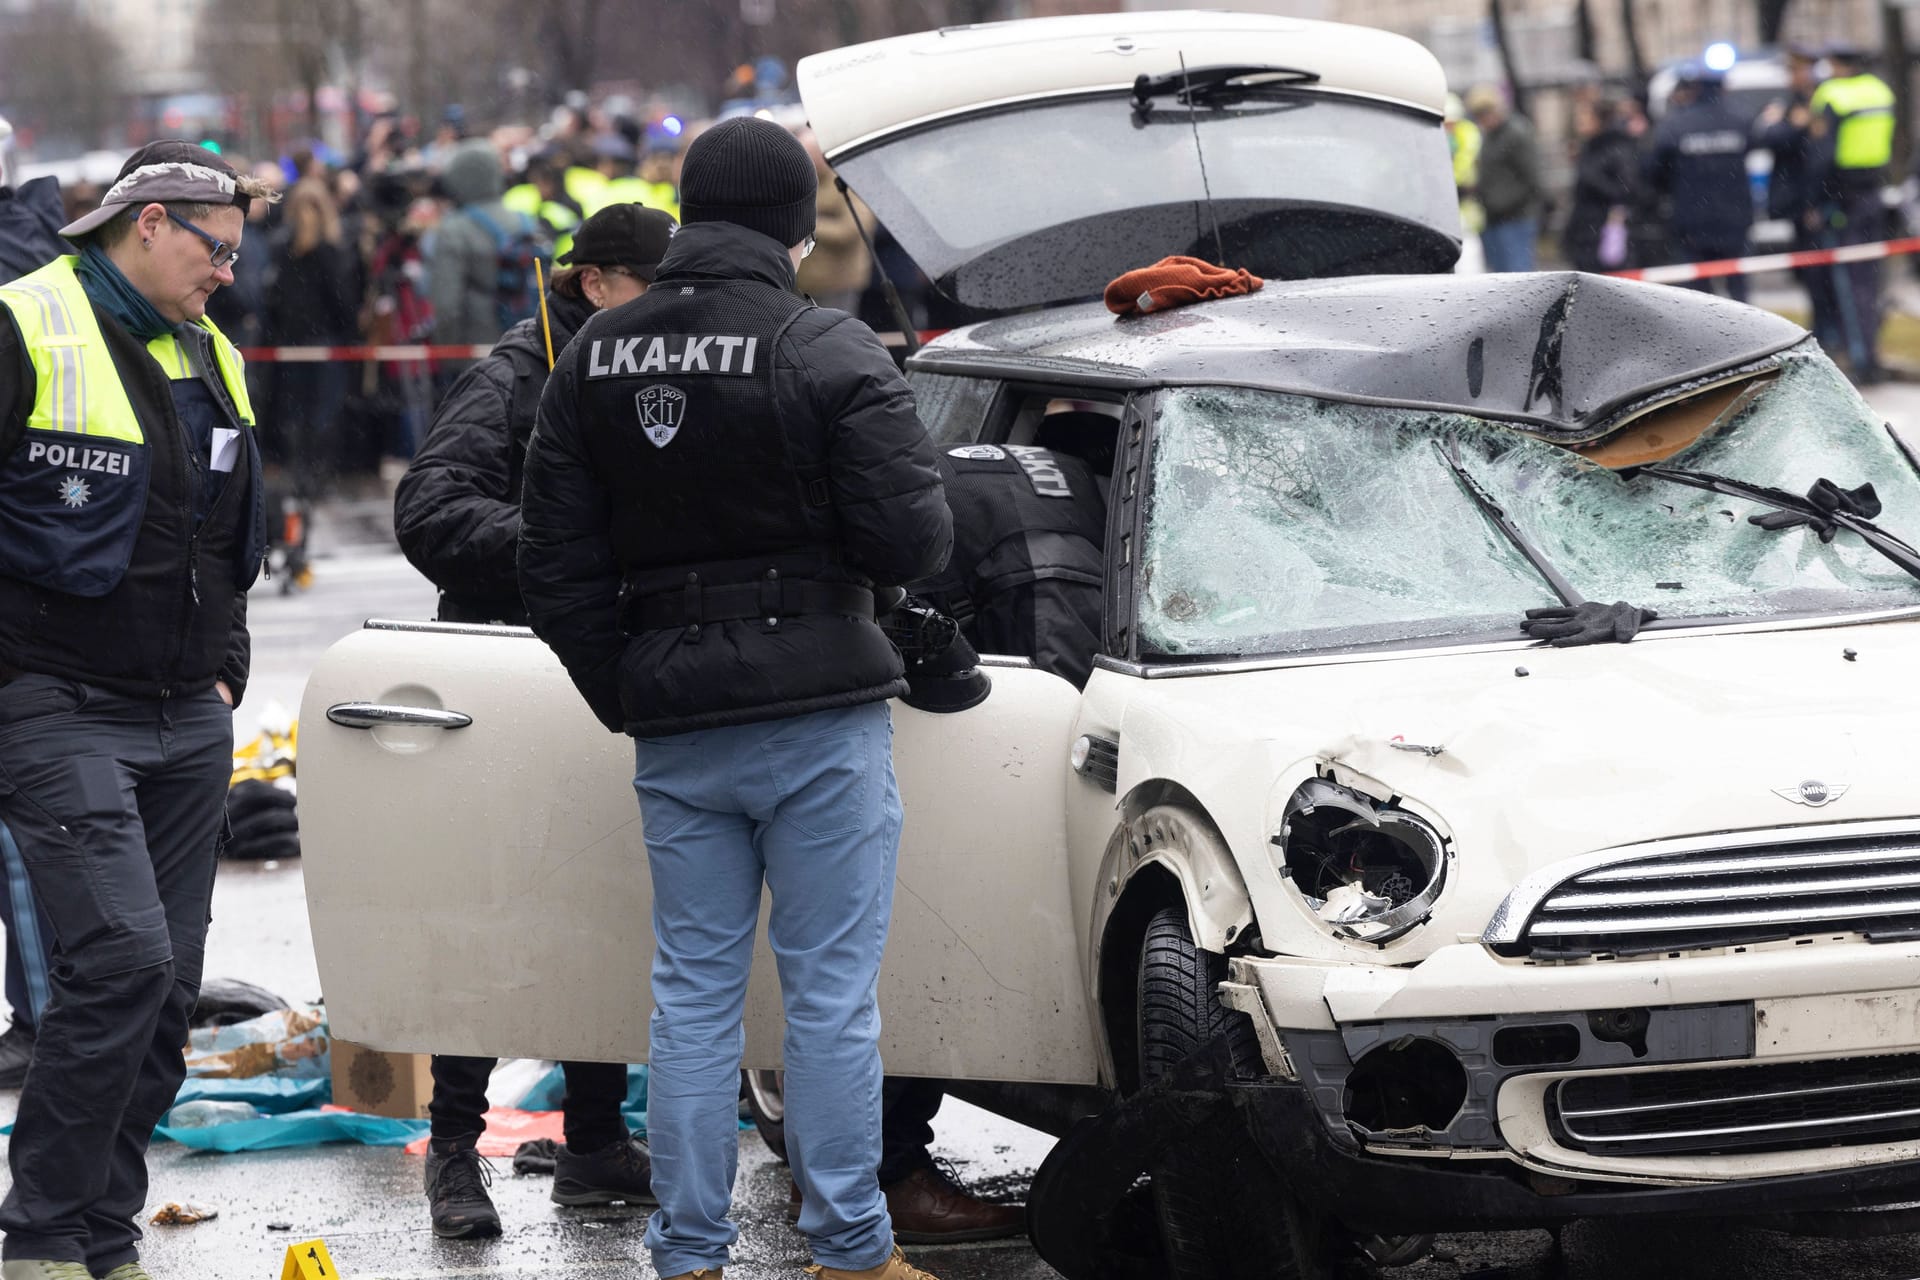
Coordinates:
768 1106
1222 1212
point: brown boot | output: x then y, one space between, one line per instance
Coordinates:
929 1207
895 1268
702 1274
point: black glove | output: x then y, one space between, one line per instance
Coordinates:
1829 498
943 671
1588 623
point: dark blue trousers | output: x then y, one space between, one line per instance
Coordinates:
116 804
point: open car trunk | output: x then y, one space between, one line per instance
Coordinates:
1293 149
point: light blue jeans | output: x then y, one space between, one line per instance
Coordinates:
1509 245
809 806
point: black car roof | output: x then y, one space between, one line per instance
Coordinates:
1558 353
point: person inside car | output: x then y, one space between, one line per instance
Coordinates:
1029 528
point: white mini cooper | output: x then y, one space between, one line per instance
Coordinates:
1334 902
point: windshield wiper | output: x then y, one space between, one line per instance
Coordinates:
1498 517
1215 86
1825 508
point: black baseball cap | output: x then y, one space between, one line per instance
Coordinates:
622 235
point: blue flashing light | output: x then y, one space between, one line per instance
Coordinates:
1721 56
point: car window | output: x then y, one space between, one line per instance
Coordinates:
952 409
1281 523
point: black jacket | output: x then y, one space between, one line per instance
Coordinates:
176 621
1026 573
30 220
722 433
1699 160
457 510
1606 177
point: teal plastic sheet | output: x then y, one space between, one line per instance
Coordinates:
296 1129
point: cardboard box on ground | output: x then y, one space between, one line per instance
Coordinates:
399 1085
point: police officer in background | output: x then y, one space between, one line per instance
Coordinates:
722 474
457 518
1698 160
131 525
1029 522
1853 114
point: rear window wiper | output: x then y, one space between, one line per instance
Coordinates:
1825 509
1498 517
1216 86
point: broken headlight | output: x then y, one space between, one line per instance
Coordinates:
1367 868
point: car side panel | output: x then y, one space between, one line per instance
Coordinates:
484 890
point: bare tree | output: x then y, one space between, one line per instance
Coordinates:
1497 16
1630 32
60 73
1898 60
1773 16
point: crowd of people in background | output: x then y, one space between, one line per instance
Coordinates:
414 240
1646 194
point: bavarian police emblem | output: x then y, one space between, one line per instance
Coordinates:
978 453
661 410
74 492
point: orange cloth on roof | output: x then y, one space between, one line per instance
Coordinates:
1176 282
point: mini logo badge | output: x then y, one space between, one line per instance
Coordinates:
978 453
1813 793
661 411
74 492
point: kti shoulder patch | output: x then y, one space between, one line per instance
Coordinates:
1048 480
979 453
662 409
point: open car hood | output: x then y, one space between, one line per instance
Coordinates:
1015 164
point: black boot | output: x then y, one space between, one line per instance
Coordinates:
16 1051
618 1171
457 1182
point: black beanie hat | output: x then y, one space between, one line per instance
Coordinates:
753 173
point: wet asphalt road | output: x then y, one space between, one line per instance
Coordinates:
367 1203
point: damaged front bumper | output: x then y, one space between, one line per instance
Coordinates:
1470 1091
1373 1194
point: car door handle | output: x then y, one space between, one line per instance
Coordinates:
372 715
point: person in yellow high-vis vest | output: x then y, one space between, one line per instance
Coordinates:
131 525
1853 113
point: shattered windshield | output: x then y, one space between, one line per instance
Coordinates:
1280 523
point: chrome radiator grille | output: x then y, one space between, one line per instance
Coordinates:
1718 897
1767 1107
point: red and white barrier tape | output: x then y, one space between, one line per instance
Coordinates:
427 351
1681 272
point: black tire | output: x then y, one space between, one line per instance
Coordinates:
1222 1212
767 1103
270 822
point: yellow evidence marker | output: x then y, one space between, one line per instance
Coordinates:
308 1260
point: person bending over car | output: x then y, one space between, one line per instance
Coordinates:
721 475
457 515
1029 522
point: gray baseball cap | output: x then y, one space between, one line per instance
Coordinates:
168 171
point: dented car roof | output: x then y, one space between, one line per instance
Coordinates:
1560 353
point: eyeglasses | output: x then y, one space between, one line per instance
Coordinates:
222 253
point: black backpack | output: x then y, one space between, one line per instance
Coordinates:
517 287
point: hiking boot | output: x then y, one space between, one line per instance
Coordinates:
16 1051
894 1268
457 1183
127 1271
701 1274
41 1269
929 1206
619 1171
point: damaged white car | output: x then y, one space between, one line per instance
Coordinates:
1337 903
